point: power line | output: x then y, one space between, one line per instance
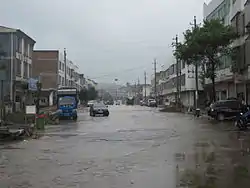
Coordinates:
120 72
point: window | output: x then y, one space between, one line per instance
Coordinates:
183 80
30 50
60 65
25 69
243 24
59 79
26 48
18 98
18 67
30 71
19 45
237 24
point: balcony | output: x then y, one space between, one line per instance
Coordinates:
222 75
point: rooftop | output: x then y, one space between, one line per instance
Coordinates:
4 29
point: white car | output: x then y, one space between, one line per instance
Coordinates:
152 103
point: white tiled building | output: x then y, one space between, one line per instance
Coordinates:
167 85
73 75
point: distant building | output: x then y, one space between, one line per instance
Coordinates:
146 90
91 83
16 49
49 67
167 84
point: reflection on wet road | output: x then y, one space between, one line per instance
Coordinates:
134 147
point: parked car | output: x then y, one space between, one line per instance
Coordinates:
117 103
152 103
98 109
225 109
142 103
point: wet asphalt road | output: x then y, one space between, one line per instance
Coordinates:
134 147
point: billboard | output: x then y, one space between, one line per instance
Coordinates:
32 84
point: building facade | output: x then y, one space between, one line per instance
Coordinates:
146 90
16 58
167 84
69 74
229 84
224 82
49 68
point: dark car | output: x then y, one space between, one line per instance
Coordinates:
225 109
98 109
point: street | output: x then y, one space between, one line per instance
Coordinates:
134 147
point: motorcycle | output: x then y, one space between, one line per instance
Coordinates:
243 119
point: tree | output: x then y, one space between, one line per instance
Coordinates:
107 97
207 45
83 95
92 93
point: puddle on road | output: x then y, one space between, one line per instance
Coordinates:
210 165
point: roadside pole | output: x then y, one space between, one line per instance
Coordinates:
145 86
196 73
2 78
2 102
65 66
177 96
155 90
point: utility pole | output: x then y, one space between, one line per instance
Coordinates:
196 74
135 93
145 86
178 85
139 89
65 66
155 78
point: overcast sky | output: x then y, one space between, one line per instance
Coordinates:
107 38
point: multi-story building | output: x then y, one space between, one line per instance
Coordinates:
236 13
167 84
16 57
72 73
91 83
49 67
224 81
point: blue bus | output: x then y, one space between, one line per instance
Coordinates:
67 102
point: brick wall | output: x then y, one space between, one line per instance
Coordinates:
45 65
